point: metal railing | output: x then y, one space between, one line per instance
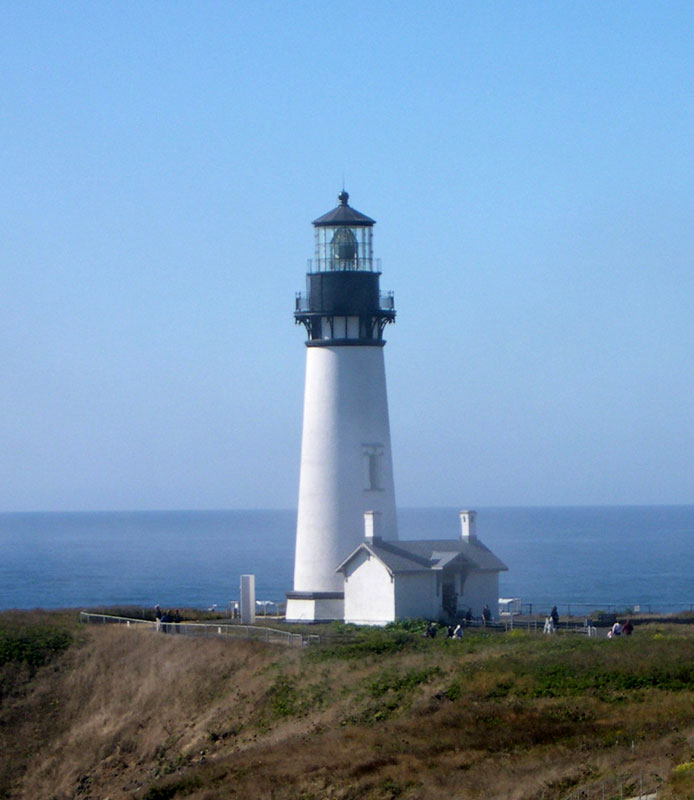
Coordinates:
587 608
355 264
386 301
212 629
539 626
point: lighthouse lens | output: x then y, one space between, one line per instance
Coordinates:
344 249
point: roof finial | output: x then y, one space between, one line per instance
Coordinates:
343 197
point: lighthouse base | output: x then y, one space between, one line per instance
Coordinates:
315 606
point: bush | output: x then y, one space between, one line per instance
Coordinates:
367 642
401 683
681 783
409 625
30 645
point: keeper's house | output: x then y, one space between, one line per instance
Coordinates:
437 579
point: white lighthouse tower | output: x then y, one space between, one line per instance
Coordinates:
346 463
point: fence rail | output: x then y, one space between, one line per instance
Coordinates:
211 629
589 609
539 626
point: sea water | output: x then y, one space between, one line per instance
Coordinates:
584 557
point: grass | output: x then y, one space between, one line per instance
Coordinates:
376 714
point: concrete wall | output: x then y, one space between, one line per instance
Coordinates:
345 422
481 588
309 610
415 596
369 592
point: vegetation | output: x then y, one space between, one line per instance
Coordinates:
109 711
32 640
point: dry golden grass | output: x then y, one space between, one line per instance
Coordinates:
132 714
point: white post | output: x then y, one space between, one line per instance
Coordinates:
248 599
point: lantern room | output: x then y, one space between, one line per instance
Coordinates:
344 240
343 303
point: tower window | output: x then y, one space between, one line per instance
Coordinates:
373 467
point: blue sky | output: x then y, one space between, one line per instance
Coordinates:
530 167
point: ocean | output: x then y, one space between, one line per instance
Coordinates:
580 559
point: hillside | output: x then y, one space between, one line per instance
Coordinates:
109 712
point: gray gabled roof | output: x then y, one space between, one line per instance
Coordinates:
344 214
441 551
421 555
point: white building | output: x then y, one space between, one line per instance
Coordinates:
434 579
346 462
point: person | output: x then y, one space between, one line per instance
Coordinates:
449 632
549 625
164 620
458 632
555 616
486 614
627 627
468 616
615 630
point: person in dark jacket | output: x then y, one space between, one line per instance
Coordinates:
163 623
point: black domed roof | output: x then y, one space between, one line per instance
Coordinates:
344 214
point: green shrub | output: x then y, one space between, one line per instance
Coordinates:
418 625
31 645
288 698
401 683
681 783
284 698
372 642
454 691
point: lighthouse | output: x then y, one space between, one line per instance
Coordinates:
346 462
